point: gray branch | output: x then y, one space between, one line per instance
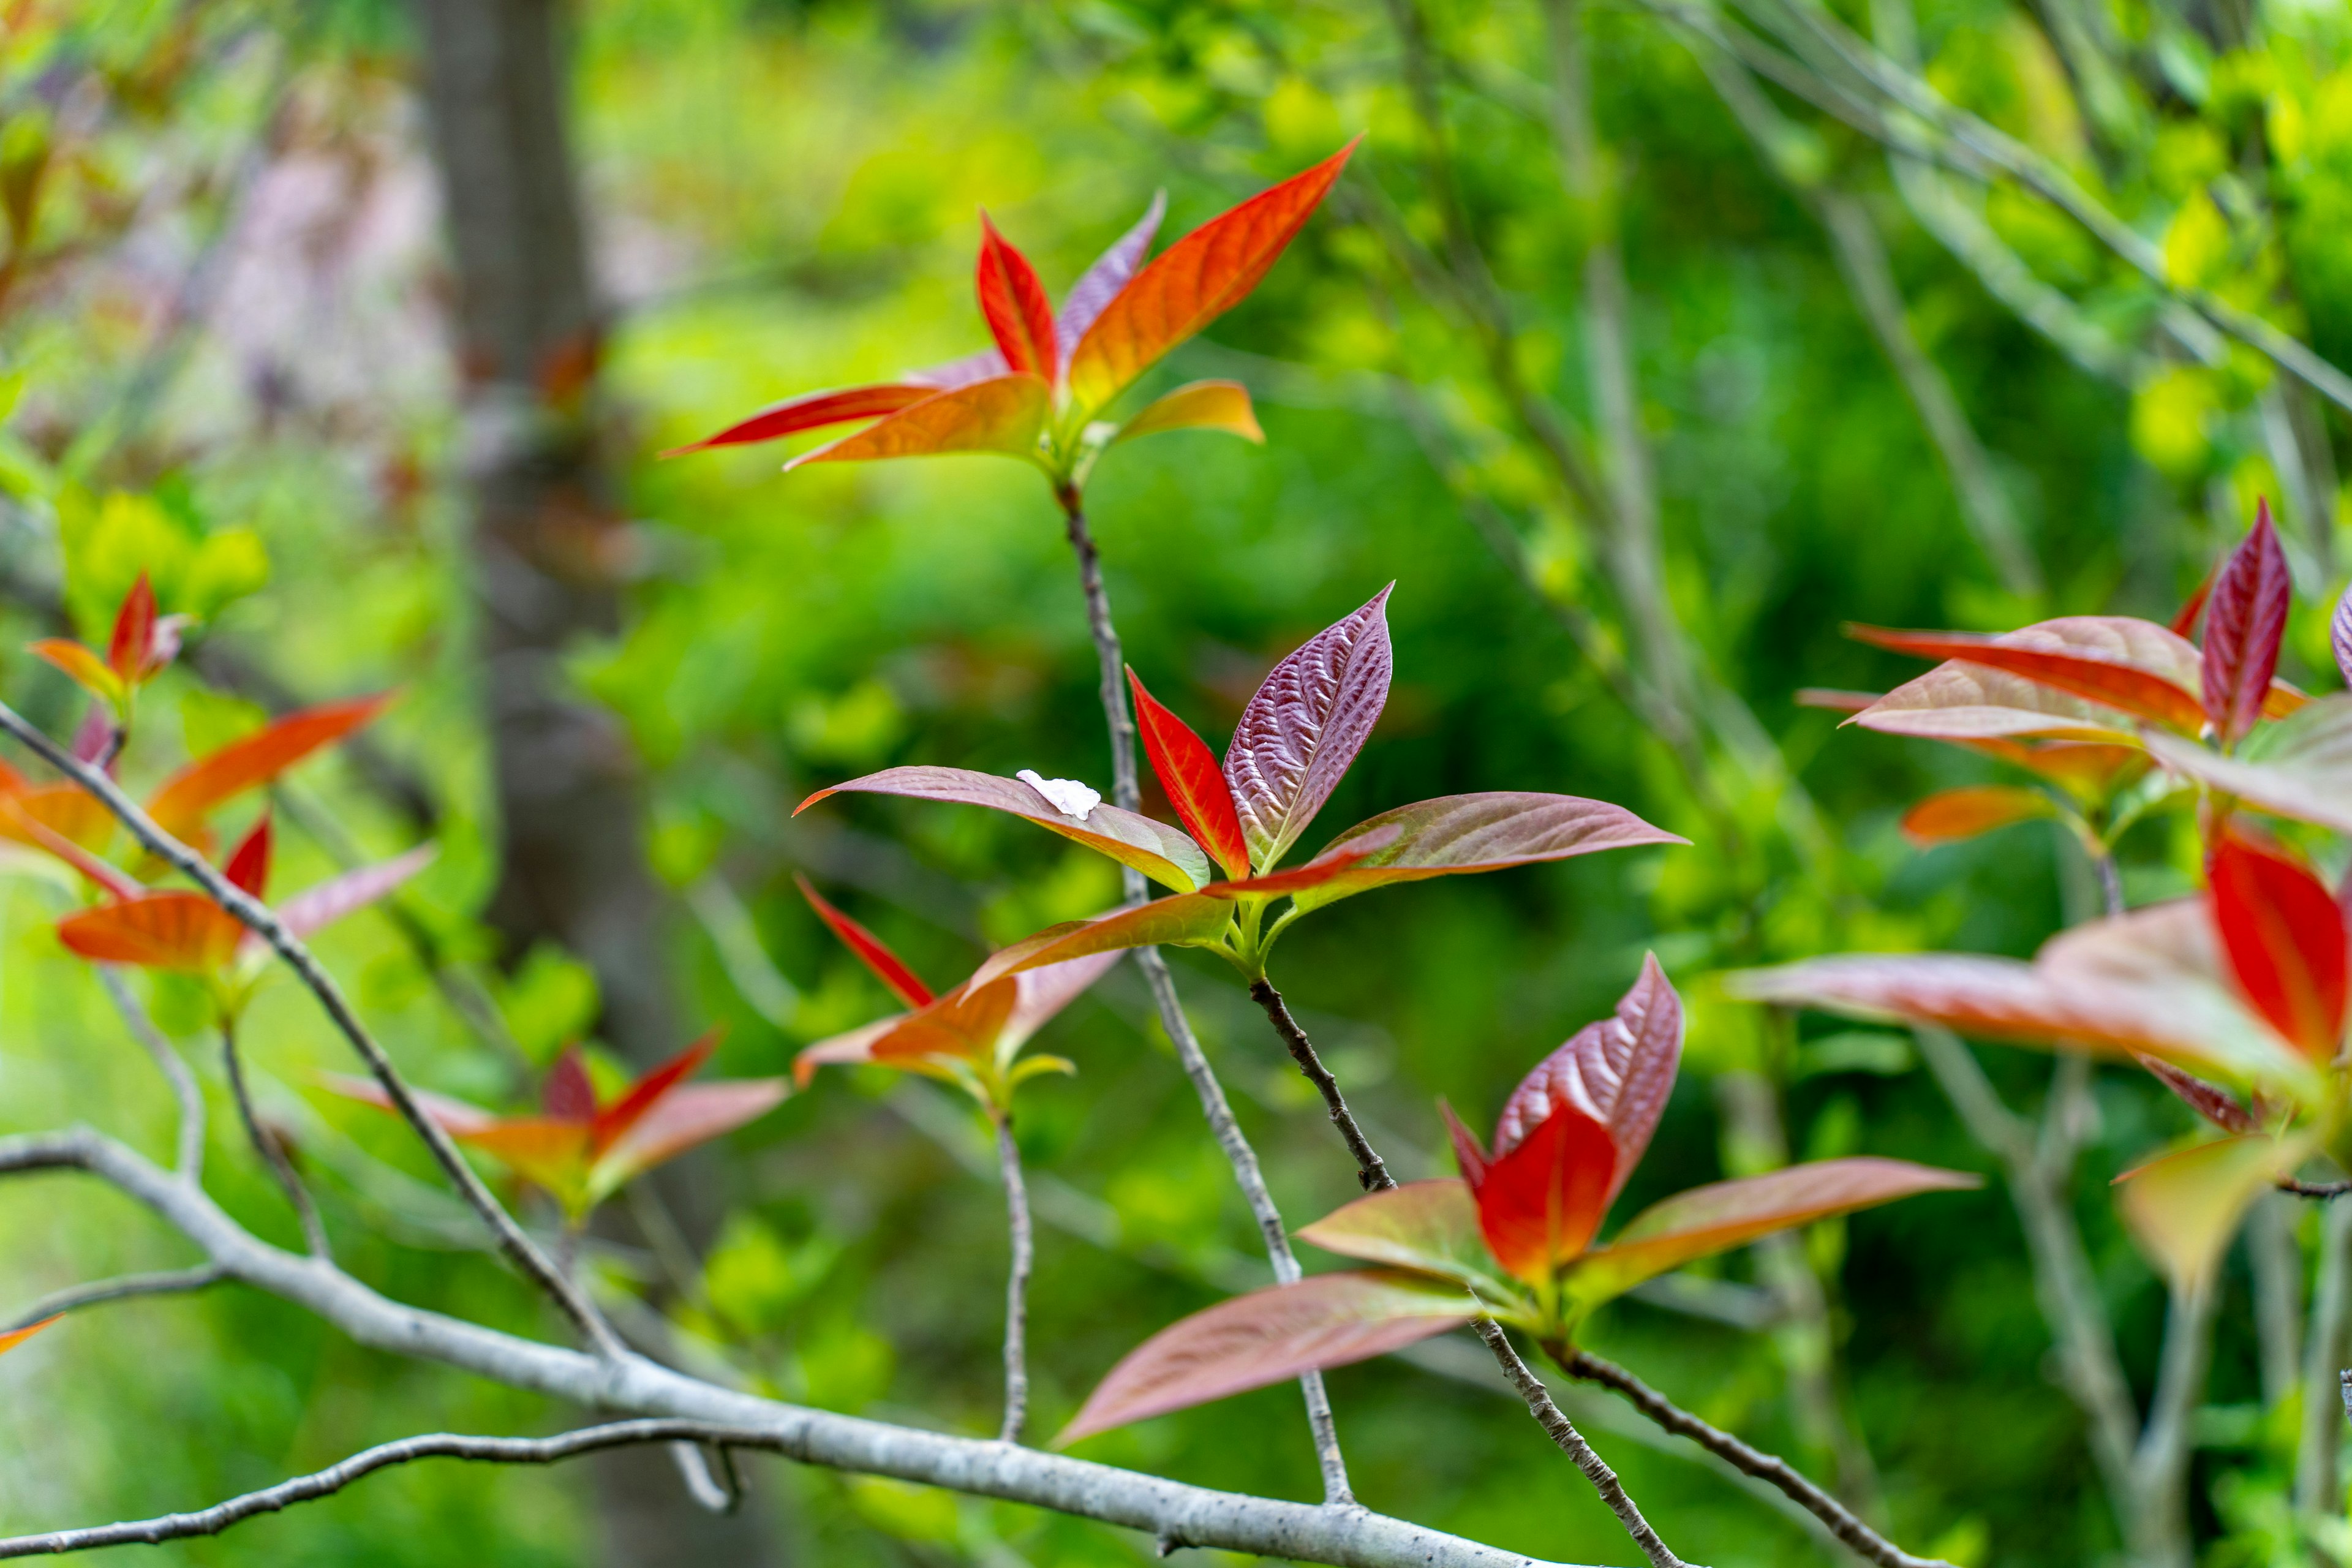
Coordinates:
124 1287
1344 1536
1016 1279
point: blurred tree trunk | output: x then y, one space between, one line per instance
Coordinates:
546 544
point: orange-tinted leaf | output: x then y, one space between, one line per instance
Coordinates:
645 1096
1267 1337
1188 920
1188 771
813 411
843 1049
1723 1214
188 796
1457 833
961 1025
1157 850
888 967
1429 1228
2245 621
549 1152
1949 815
16 1337
88 669
25 817
2148 981
1101 282
316 908
157 931
2302 769
2183 1208
1198 405
1618 1070
454 1116
1304 726
248 868
135 634
2093 669
1190 284
2283 935
1541 1202
689 1115
1044 992
1334 863
2090 770
1003 413
1019 317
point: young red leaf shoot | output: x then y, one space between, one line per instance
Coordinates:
2244 623
1188 771
1019 317
888 966
2284 933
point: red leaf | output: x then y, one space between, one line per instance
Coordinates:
1267 1337
2184 625
888 967
135 634
1618 1070
2046 660
1723 1214
1003 413
1100 284
1430 1227
188 796
1019 317
568 1096
614 1120
1541 1201
1198 405
1470 1156
157 931
1303 727
2284 933
1188 771
812 411
248 868
1333 865
1194 281
1952 814
2242 630
2209 1100
1457 833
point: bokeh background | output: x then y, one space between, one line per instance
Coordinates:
235 350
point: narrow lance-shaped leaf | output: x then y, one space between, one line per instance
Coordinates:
1457 833
1158 851
184 799
1000 415
1198 405
134 633
1723 1214
2244 623
1188 920
16 1337
316 908
887 966
2340 635
2283 935
1304 726
1267 1336
1195 280
1099 284
813 411
88 670
2110 676
2183 1209
1952 814
1618 1070
1188 771
248 866
687 1116
2209 1100
1019 317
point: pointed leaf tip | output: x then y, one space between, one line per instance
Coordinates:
2284 933
2339 632
1019 315
2245 621
887 966
1188 771
1304 725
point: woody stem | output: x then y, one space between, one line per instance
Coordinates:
1369 1170
1016 1281
272 1152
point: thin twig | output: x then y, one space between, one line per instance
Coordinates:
257 917
1569 1441
1841 1520
2314 1189
408 1450
1369 1171
124 1287
272 1152
1214 1106
184 1089
1016 1280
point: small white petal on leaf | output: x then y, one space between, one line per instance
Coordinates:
1068 797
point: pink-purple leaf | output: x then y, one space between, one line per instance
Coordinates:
1619 1071
1269 1336
315 908
2339 632
1306 723
2244 622
1487 832
1098 285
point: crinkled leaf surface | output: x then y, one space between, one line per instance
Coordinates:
1304 726
1618 1070
2245 621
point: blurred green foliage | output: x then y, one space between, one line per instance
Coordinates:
786 195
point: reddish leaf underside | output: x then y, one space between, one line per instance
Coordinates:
1003 413
316 908
1192 283
813 411
180 805
2245 621
1267 1337
888 966
689 1115
177 931
1952 814
1304 726
614 1122
2340 635
2102 677
1541 1202
1019 317
135 634
2283 934
1618 1070
1458 833
1099 284
1188 771
248 868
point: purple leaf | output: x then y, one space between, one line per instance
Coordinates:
1618 1070
1304 725
2209 1100
1487 832
2244 621
2340 633
1100 283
